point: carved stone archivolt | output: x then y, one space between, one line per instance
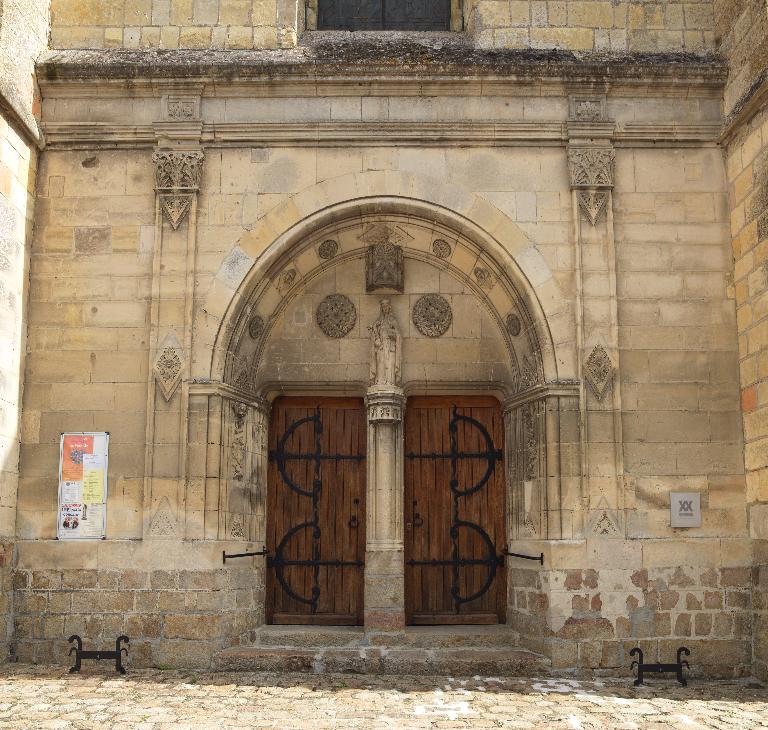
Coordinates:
336 315
287 279
432 315
168 365
591 167
177 180
599 371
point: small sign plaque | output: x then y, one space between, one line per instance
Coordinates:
685 509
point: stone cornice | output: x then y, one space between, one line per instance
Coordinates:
453 59
82 135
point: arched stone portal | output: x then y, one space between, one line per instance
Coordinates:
299 324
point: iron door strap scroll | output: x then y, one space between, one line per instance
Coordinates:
491 456
282 457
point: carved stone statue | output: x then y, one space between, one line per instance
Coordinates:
386 348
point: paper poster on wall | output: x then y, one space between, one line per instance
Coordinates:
83 461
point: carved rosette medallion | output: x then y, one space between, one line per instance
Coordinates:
177 180
168 365
432 315
599 370
286 280
513 324
591 167
336 315
441 248
484 278
256 327
328 249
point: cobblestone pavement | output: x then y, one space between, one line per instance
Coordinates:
48 697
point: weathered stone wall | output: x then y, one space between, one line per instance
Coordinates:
599 25
174 616
23 34
742 29
619 574
747 165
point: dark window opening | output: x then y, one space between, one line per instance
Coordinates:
384 15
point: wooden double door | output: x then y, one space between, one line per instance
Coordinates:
454 511
316 511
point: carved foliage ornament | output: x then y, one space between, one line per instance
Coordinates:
591 167
336 315
240 410
432 315
177 179
484 278
599 371
593 203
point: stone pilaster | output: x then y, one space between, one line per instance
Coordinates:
591 157
384 556
177 179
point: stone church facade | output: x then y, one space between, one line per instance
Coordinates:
493 286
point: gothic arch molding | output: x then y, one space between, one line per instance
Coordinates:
279 235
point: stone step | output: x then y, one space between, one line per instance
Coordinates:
466 661
426 637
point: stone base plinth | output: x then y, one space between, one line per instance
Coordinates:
175 600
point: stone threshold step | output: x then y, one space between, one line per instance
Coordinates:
427 637
465 661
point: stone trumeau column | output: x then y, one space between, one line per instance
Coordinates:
384 598
178 168
591 158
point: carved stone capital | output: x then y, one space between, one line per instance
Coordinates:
591 167
177 179
385 405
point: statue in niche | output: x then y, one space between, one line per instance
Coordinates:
386 348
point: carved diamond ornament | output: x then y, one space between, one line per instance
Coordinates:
176 207
599 370
163 523
169 365
336 315
593 203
